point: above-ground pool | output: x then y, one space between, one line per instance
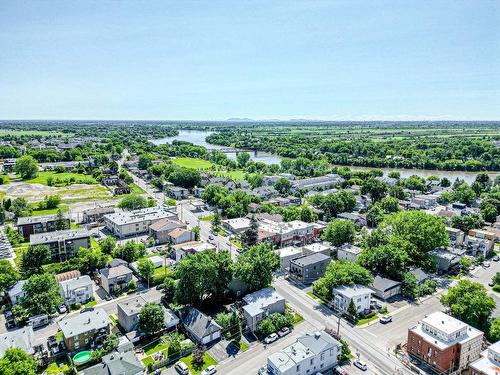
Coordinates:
82 357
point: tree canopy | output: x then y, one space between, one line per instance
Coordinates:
256 265
341 273
151 318
339 232
26 167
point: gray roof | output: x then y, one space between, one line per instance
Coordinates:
199 324
311 259
37 219
318 342
112 272
116 364
23 338
383 284
79 282
420 274
138 216
261 299
60 235
350 291
85 322
17 288
99 211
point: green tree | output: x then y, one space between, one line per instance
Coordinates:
424 231
8 275
110 342
283 186
445 182
415 183
42 294
489 213
185 177
250 237
20 207
151 318
465 263
346 351
341 273
61 221
469 302
340 232
242 158
374 215
467 222
34 257
409 286
235 326
389 260
494 332
133 202
203 275
169 287
17 362
91 259
255 266
216 220
26 167
352 311
375 188
108 244
196 233
146 269
464 194
390 205
174 350
130 252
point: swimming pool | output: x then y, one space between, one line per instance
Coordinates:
82 357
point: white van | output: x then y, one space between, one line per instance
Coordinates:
182 368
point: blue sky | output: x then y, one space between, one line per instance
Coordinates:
339 60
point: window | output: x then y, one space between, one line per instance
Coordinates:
298 368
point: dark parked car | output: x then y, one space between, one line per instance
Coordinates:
85 309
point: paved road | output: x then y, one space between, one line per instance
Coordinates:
370 350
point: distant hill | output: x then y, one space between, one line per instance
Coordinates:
239 119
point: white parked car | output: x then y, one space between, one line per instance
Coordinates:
385 319
210 370
271 338
360 364
486 264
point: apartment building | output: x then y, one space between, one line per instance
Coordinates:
489 363
63 244
358 294
131 223
455 236
78 290
82 330
327 181
260 304
444 343
310 354
39 224
309 268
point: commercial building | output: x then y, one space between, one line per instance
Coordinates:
260 304
131 223
444 343
489 363
360 295
309 268
63 244
85 330
78 290
310 354
40 224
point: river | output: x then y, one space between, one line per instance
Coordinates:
198 137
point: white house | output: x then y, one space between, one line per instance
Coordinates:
260 304
16 292
348 252
310 354
358 294
78 290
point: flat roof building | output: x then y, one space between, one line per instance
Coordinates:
63 244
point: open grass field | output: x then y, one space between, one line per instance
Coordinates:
69 178
193 163
237 175
32 133
51 211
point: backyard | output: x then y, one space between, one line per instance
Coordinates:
193 163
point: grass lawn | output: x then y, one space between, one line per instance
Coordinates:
236 242
90 303
193 163
170 202
146 361
363 321
297 318
160 273
311 294
196 369
207 218
55 368
155 347
242 345
237 175
136 189
78 178
51 211
59 336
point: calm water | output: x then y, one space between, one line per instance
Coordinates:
197 137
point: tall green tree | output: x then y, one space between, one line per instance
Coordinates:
341 273
133 202
26 167
256 265
42 294
251 235
469 302
34 257
389 260
108 244
375 188
8 275
17 362
146 269
283 186
340 232
151 318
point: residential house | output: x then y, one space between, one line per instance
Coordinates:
360 295
260 304
119 363
16 292
309 268
478 246
385 288
203 329
488 363
129 309
131 223
115 277
40 224
178 192
356 218
310 354
78 290
444 343
420 275
455 236
63 244
287 254
116 185
447 258
348 252
96 215
327 181
318 248
192 247
425 201
68 275
294 232
237 225
22 338
85 330
8 165
160 230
